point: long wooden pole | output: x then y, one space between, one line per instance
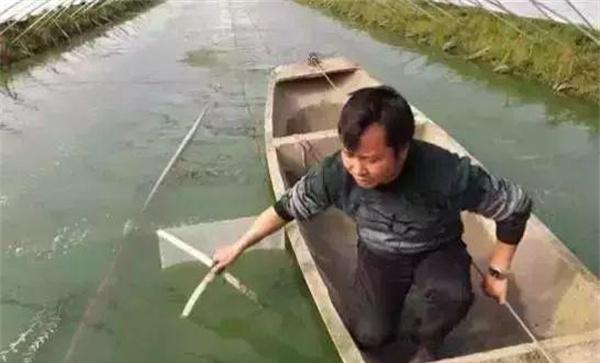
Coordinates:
541 6
43 18
205 259
22 17
175 156
10 7
210 277
528 331
127 230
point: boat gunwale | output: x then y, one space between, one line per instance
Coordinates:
340 335
342 340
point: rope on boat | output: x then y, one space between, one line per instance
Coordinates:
521 322
175 156
315 61
307 147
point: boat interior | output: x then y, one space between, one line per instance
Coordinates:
550 290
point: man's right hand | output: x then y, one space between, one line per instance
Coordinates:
226 255
266 223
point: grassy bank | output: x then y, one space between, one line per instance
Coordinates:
62 27
557 55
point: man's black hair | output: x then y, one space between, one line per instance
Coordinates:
382 105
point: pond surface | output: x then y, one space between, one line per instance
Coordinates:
90 131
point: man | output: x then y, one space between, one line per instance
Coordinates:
406 197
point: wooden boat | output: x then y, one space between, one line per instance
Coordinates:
553 293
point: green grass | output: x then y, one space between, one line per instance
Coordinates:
59 29
557 55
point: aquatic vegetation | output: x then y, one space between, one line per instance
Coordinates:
207 58
558 55
61 27
42 327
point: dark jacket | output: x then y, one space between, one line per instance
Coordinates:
419 210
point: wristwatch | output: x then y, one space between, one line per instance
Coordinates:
498 273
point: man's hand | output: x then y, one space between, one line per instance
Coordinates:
495 288
226 255
266 223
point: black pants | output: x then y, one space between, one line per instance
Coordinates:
383 281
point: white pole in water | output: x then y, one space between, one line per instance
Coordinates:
210 276
175 156
512 311
129 227
203 257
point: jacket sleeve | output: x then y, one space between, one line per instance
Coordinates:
312 194
496 198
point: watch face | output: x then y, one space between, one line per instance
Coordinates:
496 273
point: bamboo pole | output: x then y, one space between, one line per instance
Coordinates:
93 4
513 26
522 323
10 7
501 6
105 3
182 146
572 6
205 259
438 8
419 9
82 8
210 277
46 15
539 6
25 10
23 17
128 228
62 11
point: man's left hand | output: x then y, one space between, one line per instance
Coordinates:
495 288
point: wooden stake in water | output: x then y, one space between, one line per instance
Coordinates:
128 228
210 277
175 156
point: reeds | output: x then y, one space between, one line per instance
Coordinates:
21 40
559 55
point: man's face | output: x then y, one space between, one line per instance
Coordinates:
373 163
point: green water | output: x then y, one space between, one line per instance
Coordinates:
241 330
224 326
89 133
